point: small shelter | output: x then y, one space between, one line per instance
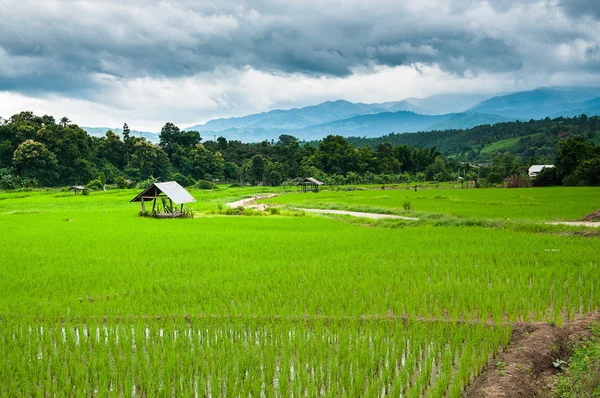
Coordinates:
309 184
77 188
169 193
537 168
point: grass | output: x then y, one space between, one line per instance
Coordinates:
531 204
582 378
96 299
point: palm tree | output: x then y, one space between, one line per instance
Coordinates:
65 121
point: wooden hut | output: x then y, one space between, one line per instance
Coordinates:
76 188
168 194
309 184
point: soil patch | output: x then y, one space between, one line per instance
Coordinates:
594 216
525 369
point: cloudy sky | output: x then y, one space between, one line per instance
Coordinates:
105 62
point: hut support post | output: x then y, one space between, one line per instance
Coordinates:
172 209
154 205
143 207
181 209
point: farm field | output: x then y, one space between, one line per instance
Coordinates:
550 204
97 300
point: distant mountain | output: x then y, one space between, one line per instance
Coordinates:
375 125
298 118
542 102
101 132
336 117
446 103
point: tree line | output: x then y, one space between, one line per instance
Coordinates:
39 151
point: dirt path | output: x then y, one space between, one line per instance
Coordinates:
525 369
577 223
244 202
358 214
248 201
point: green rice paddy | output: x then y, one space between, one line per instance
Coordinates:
97 301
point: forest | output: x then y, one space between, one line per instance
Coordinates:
38 151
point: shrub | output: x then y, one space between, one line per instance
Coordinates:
146 183
183 180
203 184
95 185
407 206
121 182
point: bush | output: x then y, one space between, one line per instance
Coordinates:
95 185
183 180
146 183
121 182
203 184
407 206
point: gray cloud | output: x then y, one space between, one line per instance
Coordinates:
66 47
581 8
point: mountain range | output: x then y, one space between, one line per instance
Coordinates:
439 112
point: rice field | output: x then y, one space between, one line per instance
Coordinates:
97 301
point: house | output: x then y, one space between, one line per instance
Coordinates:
168 192
309 184
536 168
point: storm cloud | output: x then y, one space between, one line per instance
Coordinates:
84 49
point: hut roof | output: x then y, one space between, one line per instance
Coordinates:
310 180
76 188
171 189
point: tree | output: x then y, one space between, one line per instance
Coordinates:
33 160
257 169
571 153
64 121
102 179
127 142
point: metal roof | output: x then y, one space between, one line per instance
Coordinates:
171 189
312 180
536 168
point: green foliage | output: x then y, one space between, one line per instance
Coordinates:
183 180
102 179
39 149
146 183
95 185
582 378
202 184
121 182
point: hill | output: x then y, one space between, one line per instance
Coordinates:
536 138
397 122
543 102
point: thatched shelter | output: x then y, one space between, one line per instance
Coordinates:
309 184
169 193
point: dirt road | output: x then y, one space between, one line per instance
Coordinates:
359 214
